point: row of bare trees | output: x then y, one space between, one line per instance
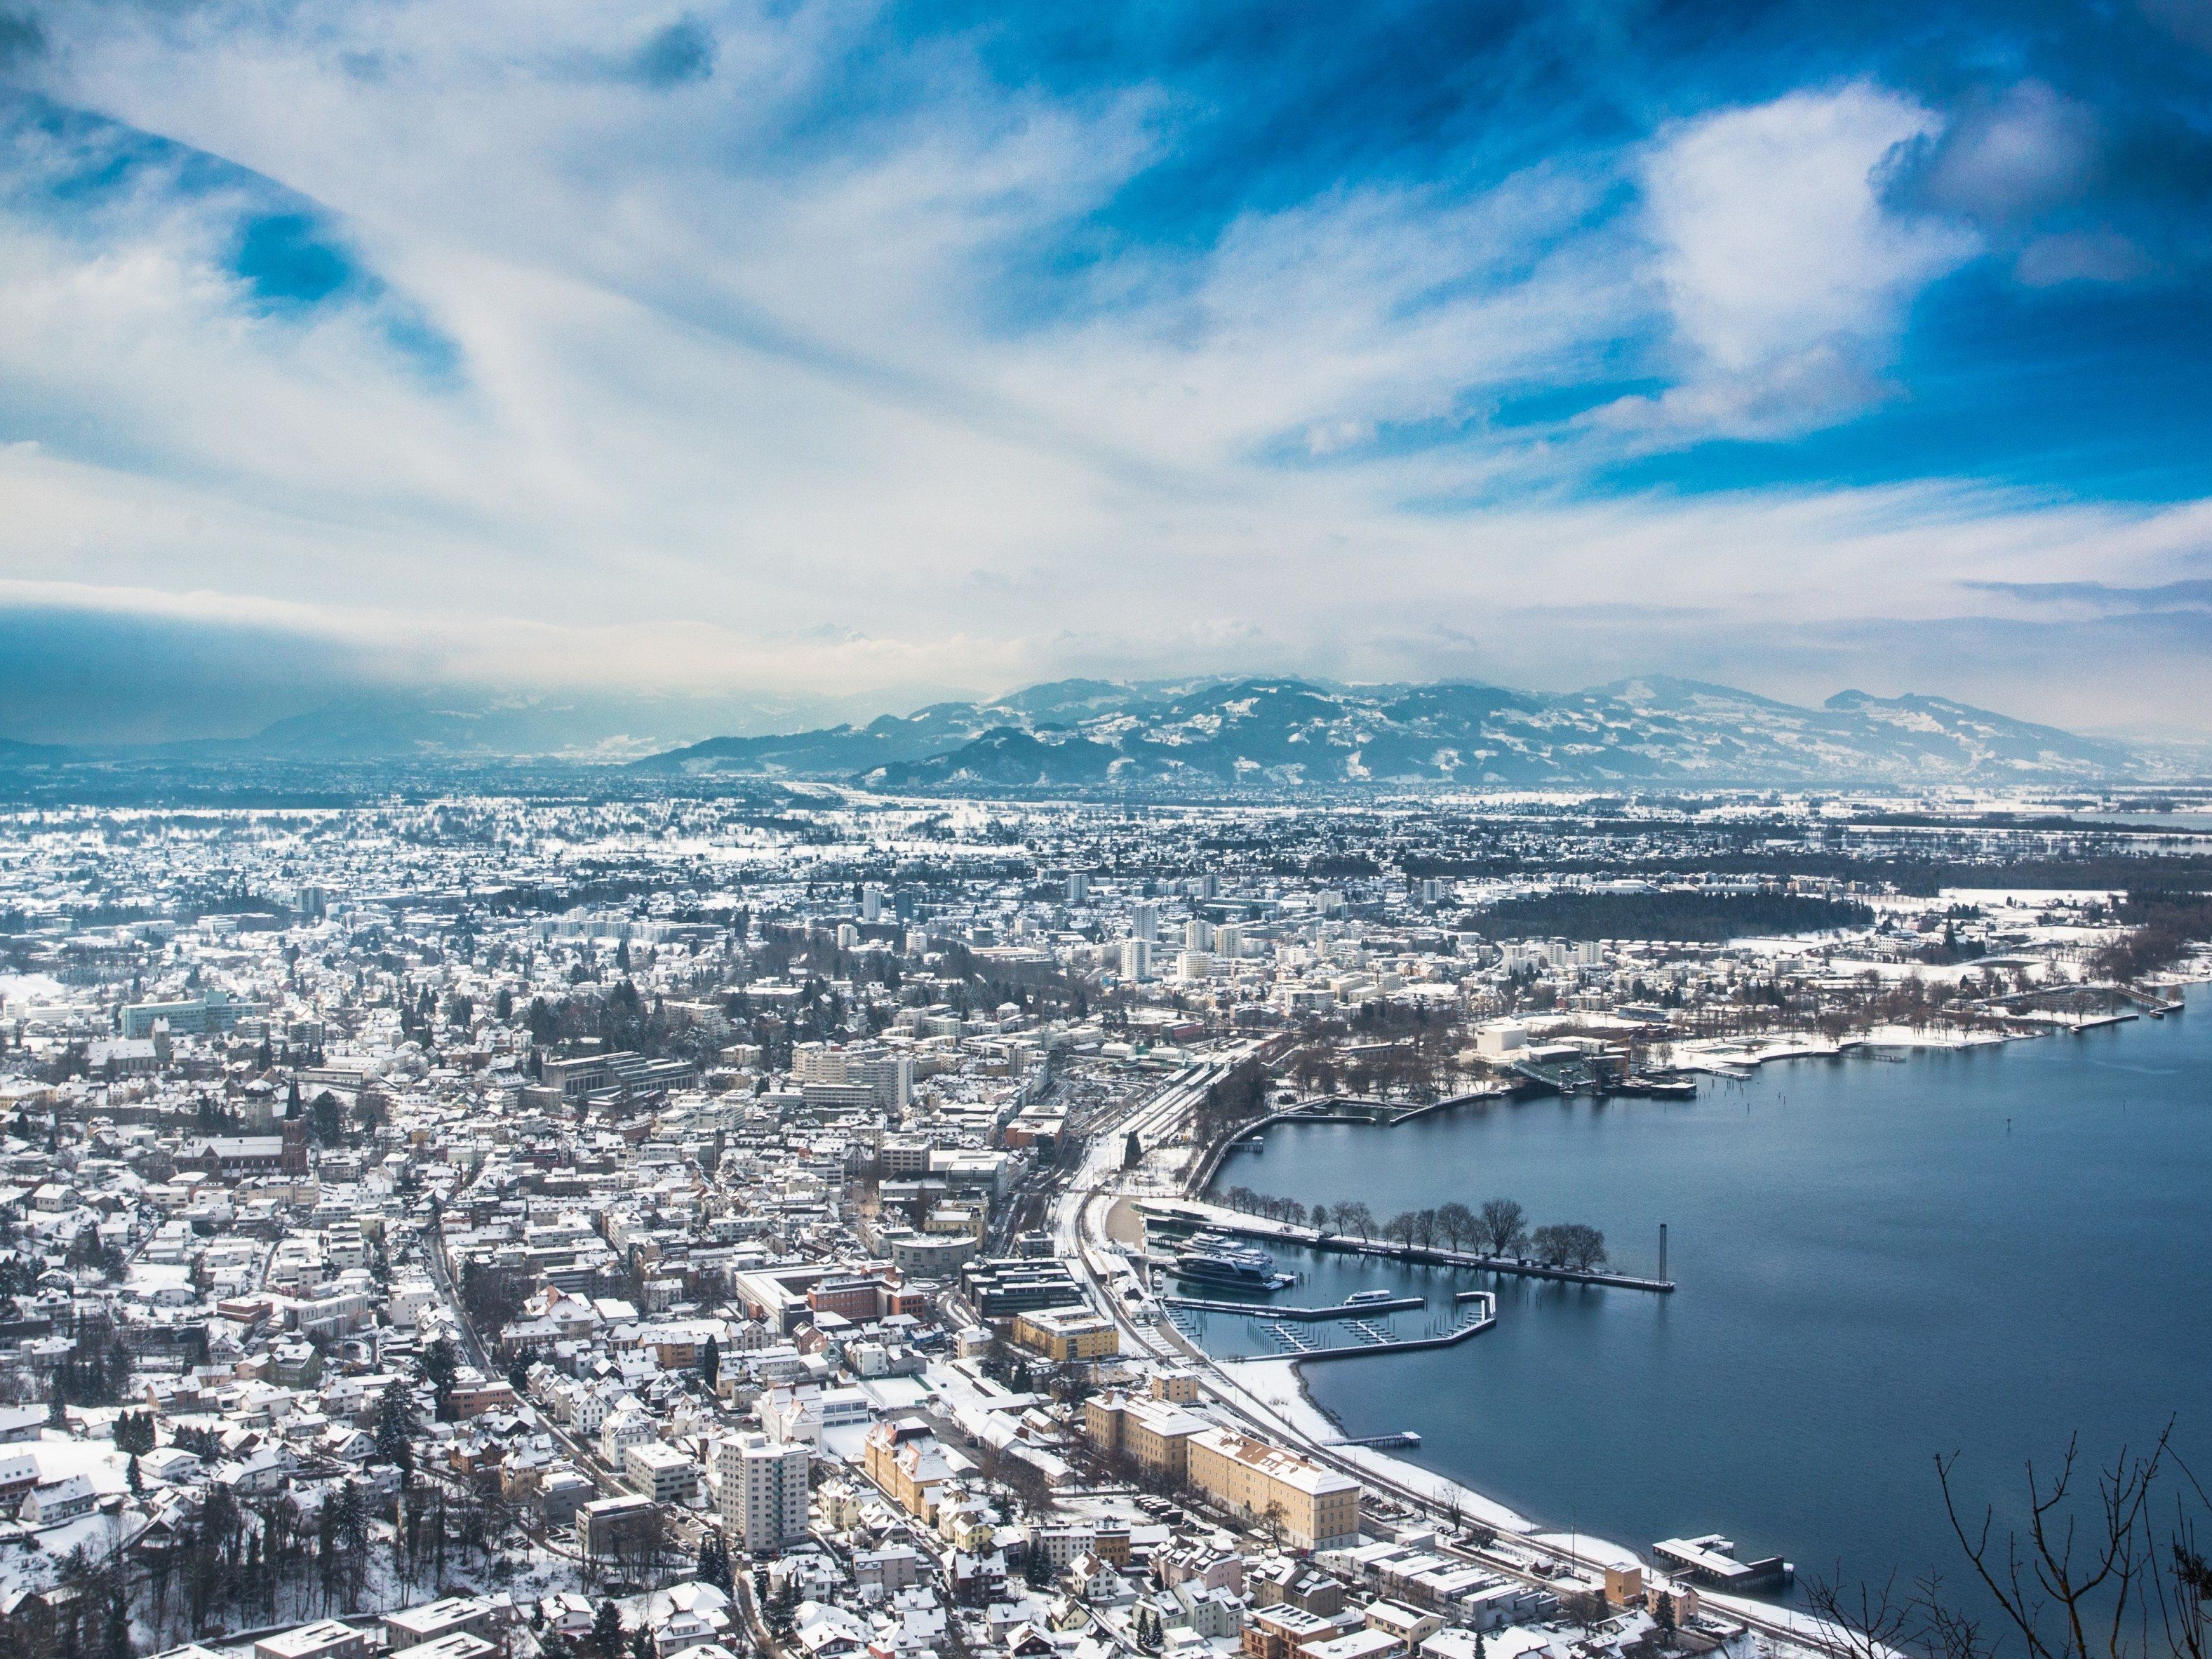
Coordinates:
1499 1228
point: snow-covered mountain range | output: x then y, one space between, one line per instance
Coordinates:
1275 734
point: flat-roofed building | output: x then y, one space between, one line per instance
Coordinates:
761 1490
1285 1632
609 1526
661 1473
326 1638
1066 1334
1410 1626
449 1615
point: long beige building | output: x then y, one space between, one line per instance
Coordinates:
1315 1508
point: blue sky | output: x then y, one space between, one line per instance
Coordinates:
899 351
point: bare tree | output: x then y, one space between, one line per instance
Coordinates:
1455 1224
2086 1575
2095 1576
1502 1227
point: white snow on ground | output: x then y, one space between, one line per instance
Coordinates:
98 1460
29 988
1596 1551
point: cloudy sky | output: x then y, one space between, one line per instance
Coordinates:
837 350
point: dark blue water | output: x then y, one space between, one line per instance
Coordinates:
1984 1253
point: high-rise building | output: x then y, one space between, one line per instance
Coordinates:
1228 940
1079 887
1144 920
872 904
1136 958
1198 934
761 1490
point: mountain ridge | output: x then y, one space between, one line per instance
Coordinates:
1278 732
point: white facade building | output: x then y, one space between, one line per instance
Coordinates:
761 1490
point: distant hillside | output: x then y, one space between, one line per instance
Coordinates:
1287 733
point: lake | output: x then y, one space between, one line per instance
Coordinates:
1985 1251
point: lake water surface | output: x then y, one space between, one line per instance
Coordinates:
1984 1252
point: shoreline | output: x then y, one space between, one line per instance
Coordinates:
1715 1056
1306 1394
1276 1389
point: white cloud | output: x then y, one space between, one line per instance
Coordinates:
719 389
1785 276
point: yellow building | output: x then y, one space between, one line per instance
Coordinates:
1062 1334
905 1459
1310 1507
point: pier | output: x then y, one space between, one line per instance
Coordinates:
1261 1310
2083 1008
1427 1256
1374 1341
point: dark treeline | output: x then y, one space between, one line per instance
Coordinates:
2161 926
1918 877
1687 915
1237 1098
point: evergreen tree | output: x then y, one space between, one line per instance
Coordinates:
710 1361
715 1562
607 1632
441 1365
395 1425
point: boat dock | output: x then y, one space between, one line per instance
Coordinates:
1261 1310
1374 1338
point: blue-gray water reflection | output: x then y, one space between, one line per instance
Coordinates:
1984 1251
